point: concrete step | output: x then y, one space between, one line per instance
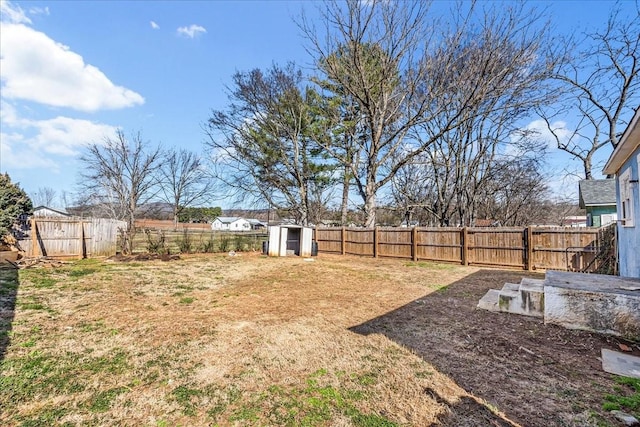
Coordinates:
527 300
531 281
490 300
511 287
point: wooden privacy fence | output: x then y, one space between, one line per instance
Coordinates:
71 238
530 248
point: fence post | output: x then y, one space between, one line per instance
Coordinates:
464 236
343 244
414 244
529 248
34 237
375 242
83 249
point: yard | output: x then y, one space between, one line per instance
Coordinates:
251 340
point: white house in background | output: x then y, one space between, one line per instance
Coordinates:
45 211
625 164
256 224
230 223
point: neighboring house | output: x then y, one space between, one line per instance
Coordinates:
44 211
598 198
256 224
574 221
625 164
230 223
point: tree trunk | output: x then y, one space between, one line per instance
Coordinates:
345 198
370 207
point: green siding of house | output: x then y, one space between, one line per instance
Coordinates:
597 211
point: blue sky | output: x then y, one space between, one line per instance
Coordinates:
73 72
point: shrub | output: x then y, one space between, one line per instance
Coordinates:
209 246
185 244
225 244
156 245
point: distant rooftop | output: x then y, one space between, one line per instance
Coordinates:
228 219
597 192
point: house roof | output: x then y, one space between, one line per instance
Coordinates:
58 211
597 192
255 222
628 144
228 219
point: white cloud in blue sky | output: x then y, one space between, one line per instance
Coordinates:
192 31
154 25
11 13
37 70
39 11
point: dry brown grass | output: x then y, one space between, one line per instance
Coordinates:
219 340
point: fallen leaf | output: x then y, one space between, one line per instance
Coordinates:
625 347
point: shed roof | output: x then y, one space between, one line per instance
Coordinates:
597 192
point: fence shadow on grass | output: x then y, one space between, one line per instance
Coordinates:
514 363
8 291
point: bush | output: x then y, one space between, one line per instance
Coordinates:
185 244
241 243
156 245
225 244
209 246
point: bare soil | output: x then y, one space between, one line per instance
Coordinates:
252 340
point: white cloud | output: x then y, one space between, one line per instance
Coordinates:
154 25
16 153
39 11
11 13
538 130
36 68
30 143
191 31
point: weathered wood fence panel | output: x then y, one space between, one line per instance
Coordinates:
441 244
71 238
526 248
359 242
571 248
498 246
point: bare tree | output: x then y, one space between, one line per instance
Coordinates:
412 86
601 85
183 180
119 176
265 143
516 194
498 76
45 196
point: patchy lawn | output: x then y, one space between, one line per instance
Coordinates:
251 340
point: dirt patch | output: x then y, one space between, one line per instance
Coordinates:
538 374
253 340
143 257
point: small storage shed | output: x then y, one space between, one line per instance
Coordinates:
290 240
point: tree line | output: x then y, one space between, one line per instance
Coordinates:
403 111
400 111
